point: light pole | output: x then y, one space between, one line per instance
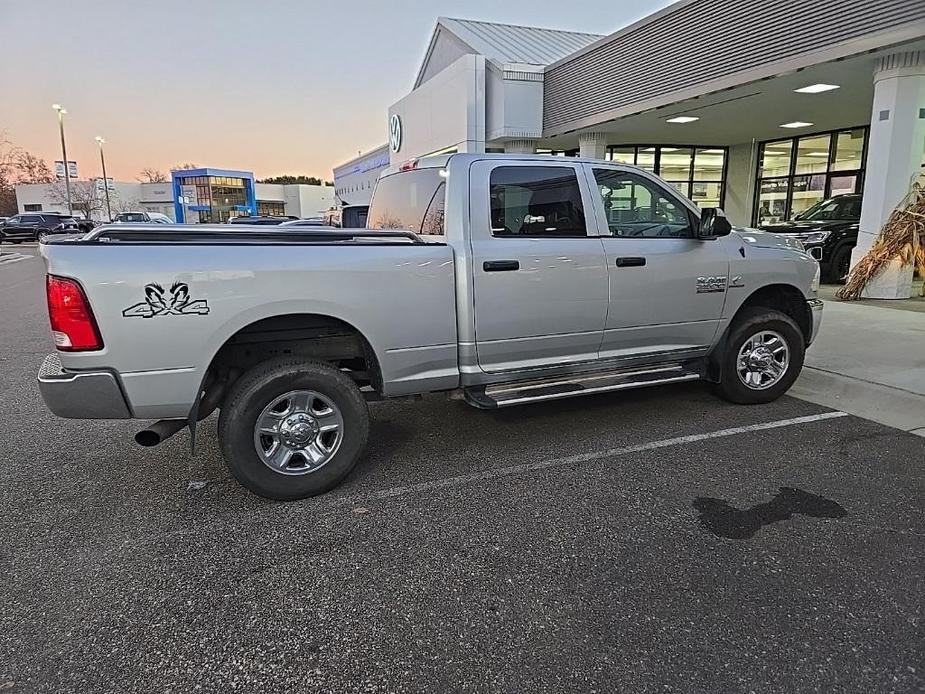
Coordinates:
67 176
100 141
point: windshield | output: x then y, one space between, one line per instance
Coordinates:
132 217
833 208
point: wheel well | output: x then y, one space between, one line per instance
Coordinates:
784 298
311 336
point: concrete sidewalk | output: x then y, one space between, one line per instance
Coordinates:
869 360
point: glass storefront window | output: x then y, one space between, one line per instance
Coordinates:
675 163
807 191
707 193
772 200
645 158
696 172
795 174
775 159
622 155
813 154
849 150
709 164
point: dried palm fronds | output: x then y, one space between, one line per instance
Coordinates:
901 238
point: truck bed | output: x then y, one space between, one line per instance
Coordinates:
167 299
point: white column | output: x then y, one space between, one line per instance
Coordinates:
592 144
896 143
523 146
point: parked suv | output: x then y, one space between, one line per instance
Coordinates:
829 232
36 226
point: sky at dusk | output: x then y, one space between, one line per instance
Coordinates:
273 87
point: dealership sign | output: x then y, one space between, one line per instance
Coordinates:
71 169
395 132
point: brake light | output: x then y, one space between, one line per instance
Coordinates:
409 165
72 324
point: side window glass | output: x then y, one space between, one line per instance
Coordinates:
433 218
635 206
536 201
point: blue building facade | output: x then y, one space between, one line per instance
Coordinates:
212 196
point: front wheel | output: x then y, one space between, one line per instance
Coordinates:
840 265
293 428
763 357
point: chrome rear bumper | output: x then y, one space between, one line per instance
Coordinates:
81 394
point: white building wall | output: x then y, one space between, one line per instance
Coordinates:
447 111
740 183
315 200
513 102
354 180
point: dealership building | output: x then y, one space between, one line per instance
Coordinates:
192 196
760 108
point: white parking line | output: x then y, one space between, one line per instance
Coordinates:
585 457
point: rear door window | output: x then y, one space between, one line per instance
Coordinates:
536 201
410 200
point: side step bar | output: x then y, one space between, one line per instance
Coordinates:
508 394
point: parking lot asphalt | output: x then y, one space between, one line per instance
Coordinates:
659 540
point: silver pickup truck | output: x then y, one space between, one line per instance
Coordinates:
498 279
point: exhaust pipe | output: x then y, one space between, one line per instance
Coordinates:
159 432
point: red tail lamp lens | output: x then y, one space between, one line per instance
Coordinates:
72 323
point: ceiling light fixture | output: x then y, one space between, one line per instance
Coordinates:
683 119
817 88
796 124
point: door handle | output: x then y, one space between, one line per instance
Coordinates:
500 265
630 262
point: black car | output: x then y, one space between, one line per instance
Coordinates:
35 226
829 231
261 220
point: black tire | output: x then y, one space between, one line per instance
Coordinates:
256 389
747 324
41 237
838 268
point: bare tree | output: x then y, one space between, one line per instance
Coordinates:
85 198
18 166
32 169
152 175
7 177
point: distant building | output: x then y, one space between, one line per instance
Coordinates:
193 196
355 179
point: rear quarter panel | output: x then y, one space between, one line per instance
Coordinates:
400 297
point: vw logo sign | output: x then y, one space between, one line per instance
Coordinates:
395 132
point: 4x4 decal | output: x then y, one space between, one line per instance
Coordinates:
159 302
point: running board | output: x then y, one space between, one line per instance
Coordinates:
508 394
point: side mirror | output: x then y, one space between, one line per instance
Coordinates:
713 223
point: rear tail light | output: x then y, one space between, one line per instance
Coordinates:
72 324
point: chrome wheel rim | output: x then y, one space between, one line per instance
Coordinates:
298 432
763 360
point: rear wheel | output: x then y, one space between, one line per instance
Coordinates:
763 357
293 428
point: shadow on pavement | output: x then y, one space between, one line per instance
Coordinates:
724 520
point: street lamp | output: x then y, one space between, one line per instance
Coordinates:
67 176
100 141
